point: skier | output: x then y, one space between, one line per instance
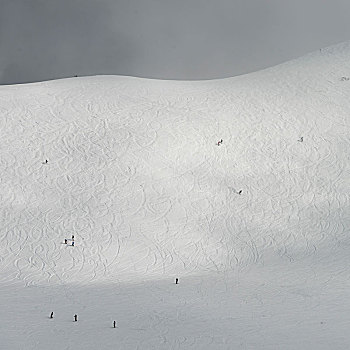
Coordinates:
239 192
221 141
51 316
75 318
73 244
176 281
65 241
301 139
114 324
72 237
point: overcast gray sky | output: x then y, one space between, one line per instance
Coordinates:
172 39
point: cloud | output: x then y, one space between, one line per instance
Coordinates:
183 39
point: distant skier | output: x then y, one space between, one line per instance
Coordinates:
301 139
114 324
46 161
73 244
51 316
72 237
221 141
65 241
75 318
176 281
239 192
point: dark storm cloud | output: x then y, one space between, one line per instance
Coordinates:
175 39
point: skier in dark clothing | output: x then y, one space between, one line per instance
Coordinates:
72 237
114 324
73 244
75 318
65 241
176 281
51 316
239 192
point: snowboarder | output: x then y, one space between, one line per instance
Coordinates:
73 244
65 241
75 318
51 316
176 281
114 324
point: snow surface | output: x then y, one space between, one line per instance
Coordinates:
135 174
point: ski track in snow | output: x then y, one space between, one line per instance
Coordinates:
135 174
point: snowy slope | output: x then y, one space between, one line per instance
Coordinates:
135 174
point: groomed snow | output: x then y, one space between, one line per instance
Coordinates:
134 172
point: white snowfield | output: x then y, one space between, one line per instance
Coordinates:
135 173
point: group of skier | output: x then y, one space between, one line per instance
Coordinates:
221 141
66 241
114 322
76 319
176 279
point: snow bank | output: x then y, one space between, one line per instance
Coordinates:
135 173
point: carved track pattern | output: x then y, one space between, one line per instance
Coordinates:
135 174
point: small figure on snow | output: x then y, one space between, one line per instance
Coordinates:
75 318
73 244
301 139
239 192
176 281
72 237
51 316
65 241
114 324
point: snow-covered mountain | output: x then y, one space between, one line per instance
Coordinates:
255 228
